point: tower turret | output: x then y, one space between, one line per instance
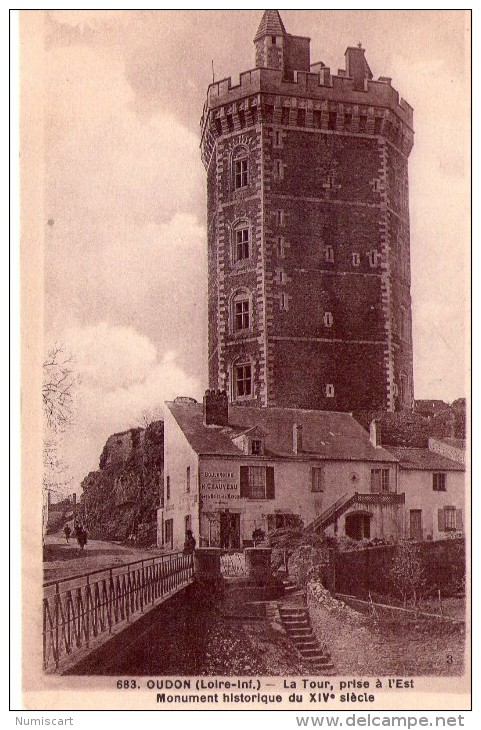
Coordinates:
277 49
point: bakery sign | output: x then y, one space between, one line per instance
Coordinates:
218 488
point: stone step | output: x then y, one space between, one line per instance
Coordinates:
324 664
292 611
306 641
296 624
316 652
300 632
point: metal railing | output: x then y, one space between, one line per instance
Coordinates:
79 609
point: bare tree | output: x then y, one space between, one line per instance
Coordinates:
149 415
58 390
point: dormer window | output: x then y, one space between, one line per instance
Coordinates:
256 447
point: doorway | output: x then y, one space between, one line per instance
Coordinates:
229 531
358 526
169 534
415 524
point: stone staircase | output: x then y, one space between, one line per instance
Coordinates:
296 622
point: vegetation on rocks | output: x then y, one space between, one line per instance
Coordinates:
119 500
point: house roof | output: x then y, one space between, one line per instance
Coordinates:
457 443
326 434
424 459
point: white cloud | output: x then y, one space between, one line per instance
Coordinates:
110 357
122 375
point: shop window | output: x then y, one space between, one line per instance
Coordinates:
439 482
257 482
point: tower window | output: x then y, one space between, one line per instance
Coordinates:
356 259
328 319
241 315
284 301
277 138
329 254
240 311
373 257
242 244
240 173
274 40
187 479
243 380
240 168
167 487
280 217
329 390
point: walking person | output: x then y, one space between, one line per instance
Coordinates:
67 532
82 536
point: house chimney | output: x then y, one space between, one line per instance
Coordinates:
375 433
216 408
297 438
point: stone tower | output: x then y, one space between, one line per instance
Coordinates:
308 231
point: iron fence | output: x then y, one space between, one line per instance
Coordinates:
82 608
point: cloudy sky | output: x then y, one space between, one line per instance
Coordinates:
125 241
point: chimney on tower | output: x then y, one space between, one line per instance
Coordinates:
216 408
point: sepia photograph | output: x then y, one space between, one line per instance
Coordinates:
245 251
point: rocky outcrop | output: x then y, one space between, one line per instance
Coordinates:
119 501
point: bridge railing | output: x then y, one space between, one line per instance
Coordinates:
83 608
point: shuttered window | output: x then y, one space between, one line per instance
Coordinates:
450 519
257 482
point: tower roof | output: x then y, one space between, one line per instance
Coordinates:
271 24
